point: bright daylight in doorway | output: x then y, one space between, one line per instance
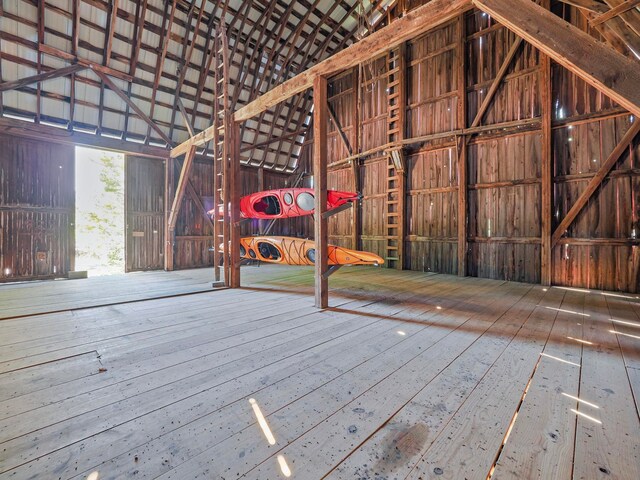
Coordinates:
99 211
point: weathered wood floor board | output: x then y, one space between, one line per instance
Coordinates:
406 375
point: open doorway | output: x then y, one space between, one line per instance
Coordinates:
100 238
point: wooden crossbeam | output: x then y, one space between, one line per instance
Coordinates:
590 5
415 22
614 12
57 73
493 89
180 189
125 98
607 70
596 181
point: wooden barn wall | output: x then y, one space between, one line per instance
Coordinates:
601 249
37 209
504 166
145 206
432 173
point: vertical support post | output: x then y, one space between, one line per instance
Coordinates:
547 168
320 187
461 146
168 201
234 198
355 170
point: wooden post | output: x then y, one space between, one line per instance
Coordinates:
461 146
320 187
355 170
168 201
234 198
547 169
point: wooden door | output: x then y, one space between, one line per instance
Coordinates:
144 205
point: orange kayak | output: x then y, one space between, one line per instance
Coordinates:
296 251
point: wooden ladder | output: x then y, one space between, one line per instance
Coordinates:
394 220
221 118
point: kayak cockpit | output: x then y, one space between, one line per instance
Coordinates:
269 205
269 251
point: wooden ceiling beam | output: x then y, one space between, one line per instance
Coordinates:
35 131
600 66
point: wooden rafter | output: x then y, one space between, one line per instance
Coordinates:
590 5
631 17
163 46
187 51
596 181
109 83
310 56
415 22
614 12
610 72
55 73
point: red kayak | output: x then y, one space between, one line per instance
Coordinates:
288 202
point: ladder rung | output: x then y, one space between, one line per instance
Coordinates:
393 84
392 190
392 214
390 247
391 258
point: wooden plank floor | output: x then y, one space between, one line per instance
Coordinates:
408 375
